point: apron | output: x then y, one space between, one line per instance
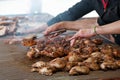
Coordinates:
111 14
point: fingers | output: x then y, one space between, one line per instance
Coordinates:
74 36
73 39
49 30
54 27
82 33
72 42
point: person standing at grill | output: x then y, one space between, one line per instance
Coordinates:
107 23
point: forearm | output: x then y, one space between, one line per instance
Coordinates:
77 11
79 24
112 28
72 25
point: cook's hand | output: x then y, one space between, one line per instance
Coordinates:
54 27
82 33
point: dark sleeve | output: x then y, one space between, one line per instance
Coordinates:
77 11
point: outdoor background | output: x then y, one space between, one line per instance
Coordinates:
52 7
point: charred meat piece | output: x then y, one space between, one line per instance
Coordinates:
87 41
31 53
74 57
53 48
96 54
29 41
93 66
116 52
118 63
53 51
89 47
46 71
108 58
69 65
109 66
43 70
39 64
97 41
107 49
58 63
76 70
90 60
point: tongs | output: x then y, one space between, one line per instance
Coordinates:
52 34
41 35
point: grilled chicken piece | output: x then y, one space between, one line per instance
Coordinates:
98 57
69 65
87 41
35 69
118 63
36 66
90 60
42 68
39 64
93 66
89 48
107 49
108 58
58 63
116 52
29 41
46 71
56 52
53 48
31 53
109 65
96 54
74 57
79 70
97 41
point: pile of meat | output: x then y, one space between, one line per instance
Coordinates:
7 25
86 55
10 24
